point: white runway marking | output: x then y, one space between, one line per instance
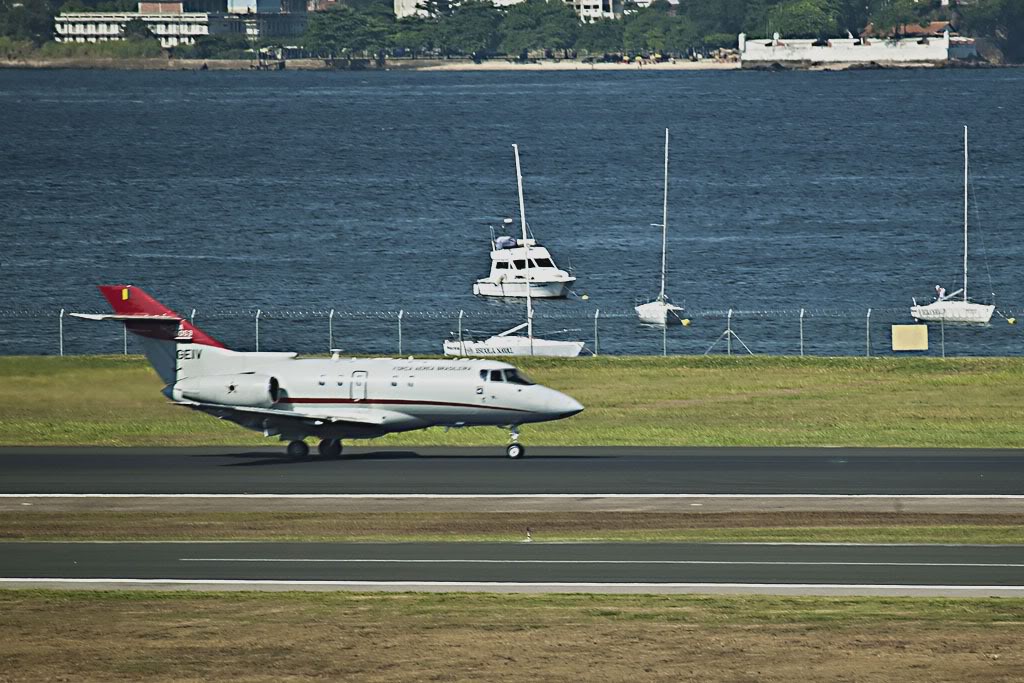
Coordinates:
525 585
500 496
367 560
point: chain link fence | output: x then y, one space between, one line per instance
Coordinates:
811 332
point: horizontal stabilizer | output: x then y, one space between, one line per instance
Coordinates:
139 317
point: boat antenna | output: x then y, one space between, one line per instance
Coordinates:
965 214
664 223
526 246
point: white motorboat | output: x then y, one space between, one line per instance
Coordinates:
509 265
945 308
657 312
508 343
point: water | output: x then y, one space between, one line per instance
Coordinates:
230 192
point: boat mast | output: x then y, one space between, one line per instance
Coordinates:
526 246
664 223
965 214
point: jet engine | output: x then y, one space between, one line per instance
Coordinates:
249 390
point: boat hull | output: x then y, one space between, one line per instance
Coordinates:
538 290
954 312
513 346
656 312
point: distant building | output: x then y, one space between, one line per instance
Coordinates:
586 10
926 49
173 25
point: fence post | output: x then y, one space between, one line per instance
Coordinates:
61 332
401 313
728 332
596 314
258 314
801 333
462 345
330 332
867 335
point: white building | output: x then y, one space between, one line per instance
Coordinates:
173 26
586 10
927 49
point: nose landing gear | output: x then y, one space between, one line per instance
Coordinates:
514 450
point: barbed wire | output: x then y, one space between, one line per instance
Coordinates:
296 314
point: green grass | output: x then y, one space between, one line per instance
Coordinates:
697 609
28 524
675 401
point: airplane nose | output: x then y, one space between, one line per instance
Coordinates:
564 406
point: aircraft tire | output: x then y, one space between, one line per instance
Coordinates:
297 450
515 451
329 448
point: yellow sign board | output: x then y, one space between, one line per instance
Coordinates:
909 337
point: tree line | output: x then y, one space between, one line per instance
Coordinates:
478 29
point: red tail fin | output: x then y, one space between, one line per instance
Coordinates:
129 300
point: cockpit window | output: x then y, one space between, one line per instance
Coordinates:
517 377
497 376
543 263
519 263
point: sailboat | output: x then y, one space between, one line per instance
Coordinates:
508 343
656 312
946 308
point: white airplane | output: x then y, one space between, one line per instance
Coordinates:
332 399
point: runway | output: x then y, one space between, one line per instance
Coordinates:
524 567
546 471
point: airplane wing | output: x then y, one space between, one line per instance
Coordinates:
360 416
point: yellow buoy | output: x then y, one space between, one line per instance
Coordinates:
685 322
1012 321
585 297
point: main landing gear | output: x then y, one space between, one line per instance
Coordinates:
330 448
297 450
514 450
327 448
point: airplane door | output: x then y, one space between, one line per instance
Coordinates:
357 387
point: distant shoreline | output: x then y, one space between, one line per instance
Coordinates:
162 64
451 65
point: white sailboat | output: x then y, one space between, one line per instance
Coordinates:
508 343
945 308
657 312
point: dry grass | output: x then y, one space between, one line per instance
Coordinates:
753 401
545 526
82 636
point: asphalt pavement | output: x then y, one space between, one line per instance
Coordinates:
467 471
658 567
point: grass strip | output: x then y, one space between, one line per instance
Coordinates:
675 401
114 636
511 527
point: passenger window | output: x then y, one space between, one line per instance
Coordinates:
496 376
520 263
501 265
483 375
394 380
339 380
323 380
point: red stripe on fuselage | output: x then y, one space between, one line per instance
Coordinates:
395 401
